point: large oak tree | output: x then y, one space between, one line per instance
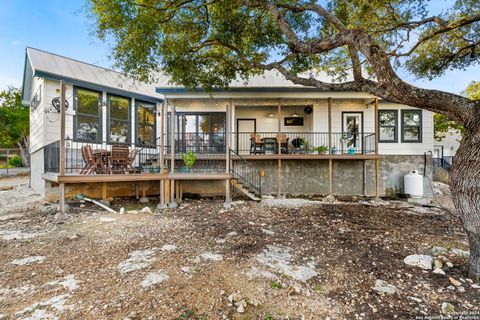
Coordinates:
207 43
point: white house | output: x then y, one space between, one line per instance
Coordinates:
267 136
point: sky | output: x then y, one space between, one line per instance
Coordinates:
61 26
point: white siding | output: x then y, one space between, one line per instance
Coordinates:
52 116
404 148
37 117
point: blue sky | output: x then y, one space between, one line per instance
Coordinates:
60 26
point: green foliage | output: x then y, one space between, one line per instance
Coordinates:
14 118
442 124
15 161
189 158
207 44
276 284
473 90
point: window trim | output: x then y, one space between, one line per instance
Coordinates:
420 126
129 135
395 140
99 115
154 105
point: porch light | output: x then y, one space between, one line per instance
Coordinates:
295 114
270 115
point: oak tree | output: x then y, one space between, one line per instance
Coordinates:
208 43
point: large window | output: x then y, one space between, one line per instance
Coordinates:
387 125
201 133
411 126
145 123
119 110
87 119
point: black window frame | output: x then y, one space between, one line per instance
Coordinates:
154 108
109 119
395 140
420 126
99 115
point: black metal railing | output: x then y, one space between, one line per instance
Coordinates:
51 157
304 143
246 173
444 163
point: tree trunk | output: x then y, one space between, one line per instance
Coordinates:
465 187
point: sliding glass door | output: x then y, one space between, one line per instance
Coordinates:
200 132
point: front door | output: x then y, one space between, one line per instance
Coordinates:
245 127
352 131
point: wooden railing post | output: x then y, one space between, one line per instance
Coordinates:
61 214
162 204
228 145
173 203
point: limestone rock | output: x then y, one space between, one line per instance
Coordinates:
154 278
146 210
455 282
384 287
439 271
447 307
419 260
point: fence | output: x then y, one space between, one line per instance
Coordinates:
11 162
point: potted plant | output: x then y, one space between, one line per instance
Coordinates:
189 159
321 149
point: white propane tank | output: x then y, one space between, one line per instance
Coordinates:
413 183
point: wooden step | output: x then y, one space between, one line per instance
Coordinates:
240 187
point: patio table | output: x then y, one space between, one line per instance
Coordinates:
103 157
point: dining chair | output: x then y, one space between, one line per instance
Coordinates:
256 144
119 159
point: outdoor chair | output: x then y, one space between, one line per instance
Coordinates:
91 164
119 159
256 144
131 159
282 140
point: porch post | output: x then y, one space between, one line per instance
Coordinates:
377 161
61 214
173 203
228 127
162 204
279 168
330 161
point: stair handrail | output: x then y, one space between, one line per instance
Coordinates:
247 174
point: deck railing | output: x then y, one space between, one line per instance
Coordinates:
209 150
246 173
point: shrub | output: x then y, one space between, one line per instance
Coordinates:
15 161
440 175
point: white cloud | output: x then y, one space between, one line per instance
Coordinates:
16 42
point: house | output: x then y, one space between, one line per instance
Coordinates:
263 136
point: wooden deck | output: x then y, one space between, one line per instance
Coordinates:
83 178
290 156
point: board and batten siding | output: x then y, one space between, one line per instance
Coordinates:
52 116
408 148
37 126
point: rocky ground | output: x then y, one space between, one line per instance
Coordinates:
279 259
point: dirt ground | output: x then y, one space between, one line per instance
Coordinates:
285 259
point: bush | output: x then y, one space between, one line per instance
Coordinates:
15 161
440 175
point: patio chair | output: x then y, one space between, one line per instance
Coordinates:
131 159
256 144
119 159
283 141
91 164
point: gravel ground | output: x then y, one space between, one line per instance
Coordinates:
281 259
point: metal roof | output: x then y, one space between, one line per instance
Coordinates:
53 66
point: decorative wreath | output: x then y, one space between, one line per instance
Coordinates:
56 103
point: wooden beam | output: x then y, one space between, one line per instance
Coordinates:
172 139
377 178
104 191
330 176
228 130
329 124
279 167
162 134
376 125
61 215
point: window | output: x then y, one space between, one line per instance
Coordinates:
119 119
387 125
145 123
200 132
411 126
87 118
